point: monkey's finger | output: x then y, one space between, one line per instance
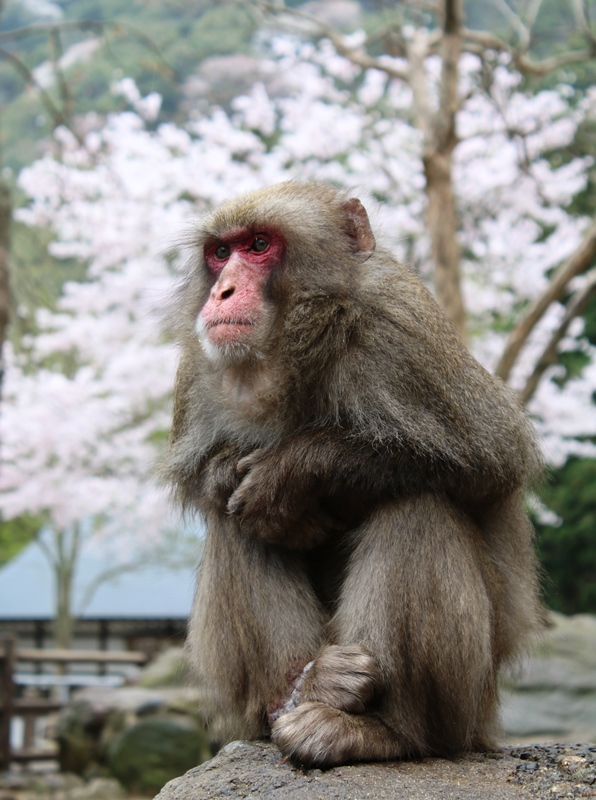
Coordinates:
245 464
235 504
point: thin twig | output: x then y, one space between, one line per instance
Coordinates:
58 52
58 116
578 262
575 307
524 63
357 56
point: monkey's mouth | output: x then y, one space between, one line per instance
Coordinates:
232 321
229 329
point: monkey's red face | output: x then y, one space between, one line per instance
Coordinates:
235 320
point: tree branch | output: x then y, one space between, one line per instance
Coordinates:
532 13
110 573
577 263
581 19
549 356
357 56
515 21
540 68
47 551
489 41
83 25
57 115
58 53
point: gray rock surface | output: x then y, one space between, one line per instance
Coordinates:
553 695
254 771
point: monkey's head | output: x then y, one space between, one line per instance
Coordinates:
268 246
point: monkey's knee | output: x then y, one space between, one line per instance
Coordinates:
315 734
345 677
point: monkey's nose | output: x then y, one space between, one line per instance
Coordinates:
221 293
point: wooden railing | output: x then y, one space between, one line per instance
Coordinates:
29 709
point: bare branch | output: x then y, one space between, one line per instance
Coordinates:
581 19
540 68
525 64
532 13
58 116
549 356
577 263
514 20
425 5
486 40
47 551
357 56
83 25
58 52
106 575
363 60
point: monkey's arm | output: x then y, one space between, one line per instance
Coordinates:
207 482
288 494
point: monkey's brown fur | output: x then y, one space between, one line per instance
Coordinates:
362 479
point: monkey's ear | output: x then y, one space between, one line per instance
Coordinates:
358 228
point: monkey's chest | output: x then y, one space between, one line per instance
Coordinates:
254 404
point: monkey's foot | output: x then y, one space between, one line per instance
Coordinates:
317 735
343 676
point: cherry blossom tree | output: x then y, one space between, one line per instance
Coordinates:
424 47
87 396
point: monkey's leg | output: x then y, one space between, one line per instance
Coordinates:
255 623
417 600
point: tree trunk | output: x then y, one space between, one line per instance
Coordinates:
65 561
442 213
63 611
5 220
443 224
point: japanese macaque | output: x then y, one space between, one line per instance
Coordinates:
368 565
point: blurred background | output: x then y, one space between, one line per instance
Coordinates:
469 129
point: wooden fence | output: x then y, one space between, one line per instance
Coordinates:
29 709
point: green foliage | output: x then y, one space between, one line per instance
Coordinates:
568 551
159 44
16 534
590 320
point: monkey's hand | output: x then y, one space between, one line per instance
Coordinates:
219 478
274 505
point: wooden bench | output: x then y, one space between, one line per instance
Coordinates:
58 683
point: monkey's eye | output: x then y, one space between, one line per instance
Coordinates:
259 244
222 252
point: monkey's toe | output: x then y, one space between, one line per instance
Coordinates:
314 734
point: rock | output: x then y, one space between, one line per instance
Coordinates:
44 785
147 755
98 715
255 771
554 694
78 735
98 789
170 668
